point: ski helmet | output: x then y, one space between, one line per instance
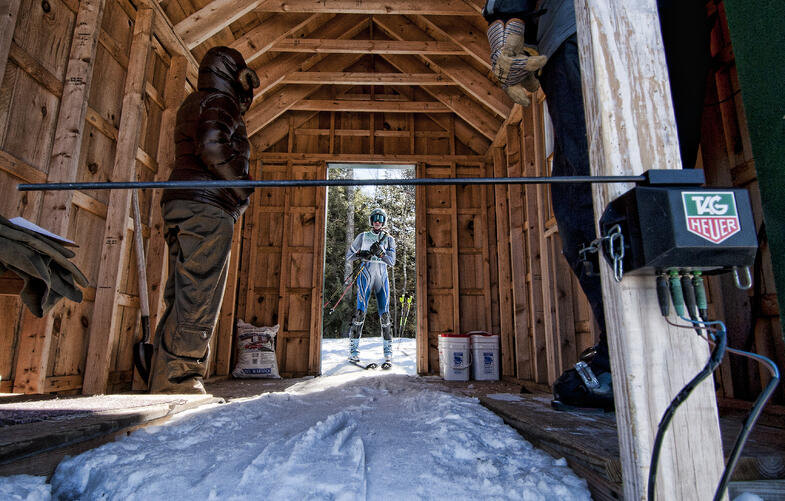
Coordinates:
377 214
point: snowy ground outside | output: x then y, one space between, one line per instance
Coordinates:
351 434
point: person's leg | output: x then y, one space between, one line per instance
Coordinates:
363 294
383 305
200 238
586 385
572 203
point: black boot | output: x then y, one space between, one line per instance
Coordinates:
588 384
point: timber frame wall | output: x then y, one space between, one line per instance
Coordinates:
89 92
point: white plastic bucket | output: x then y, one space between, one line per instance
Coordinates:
455 357
485 357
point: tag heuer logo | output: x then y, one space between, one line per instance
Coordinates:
711 215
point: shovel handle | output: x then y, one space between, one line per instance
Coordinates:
141 267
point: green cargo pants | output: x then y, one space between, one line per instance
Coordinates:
199 237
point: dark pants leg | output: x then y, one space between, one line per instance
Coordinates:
199 237
572 203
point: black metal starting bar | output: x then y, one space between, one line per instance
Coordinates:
299 183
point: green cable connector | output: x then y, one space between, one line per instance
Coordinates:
677 295
700 293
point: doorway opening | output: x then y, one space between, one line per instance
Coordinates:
348 211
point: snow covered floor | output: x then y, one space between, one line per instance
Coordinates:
352 434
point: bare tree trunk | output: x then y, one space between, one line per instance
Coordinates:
347 271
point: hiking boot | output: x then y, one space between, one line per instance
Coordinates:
187 386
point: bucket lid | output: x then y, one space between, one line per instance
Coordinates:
481 334
450 334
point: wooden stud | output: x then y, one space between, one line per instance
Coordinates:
35 335
157 256
456 290
507 336
103 328
9 10
527 293
224 330
622 66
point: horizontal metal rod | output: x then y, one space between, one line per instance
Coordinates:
283 183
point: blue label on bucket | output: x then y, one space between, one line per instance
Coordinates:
457 359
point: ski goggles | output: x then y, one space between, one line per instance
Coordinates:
377 218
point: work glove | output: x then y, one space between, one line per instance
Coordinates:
364 254
377 250
512 62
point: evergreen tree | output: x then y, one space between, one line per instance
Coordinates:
399 203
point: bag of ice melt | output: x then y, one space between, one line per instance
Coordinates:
255 352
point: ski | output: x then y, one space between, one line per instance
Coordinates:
387 366
372 365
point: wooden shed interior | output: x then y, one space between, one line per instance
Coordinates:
89 92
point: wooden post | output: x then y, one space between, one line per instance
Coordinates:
421 265
631 128
35 333
103 330
317 276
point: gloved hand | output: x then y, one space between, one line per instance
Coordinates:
364 254
377 250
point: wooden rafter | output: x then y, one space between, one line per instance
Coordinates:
274 71
464 106
472 81
260 39
212 18
369 47
371 106
356 78
429 7
273 106
460 32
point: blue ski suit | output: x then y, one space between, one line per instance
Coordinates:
373 278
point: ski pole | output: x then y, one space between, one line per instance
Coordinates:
348 286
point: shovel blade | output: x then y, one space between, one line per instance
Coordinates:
143 352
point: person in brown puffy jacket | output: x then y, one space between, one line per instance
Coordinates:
211 143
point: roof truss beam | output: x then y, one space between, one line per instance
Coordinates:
318 46
429 7
371 106
355 78
471 81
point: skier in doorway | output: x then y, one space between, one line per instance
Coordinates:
376 249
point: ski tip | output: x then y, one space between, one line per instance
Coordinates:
372 365
386 366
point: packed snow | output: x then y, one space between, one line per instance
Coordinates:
351 434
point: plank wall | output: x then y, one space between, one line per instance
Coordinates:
85 105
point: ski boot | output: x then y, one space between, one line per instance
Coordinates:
586 386
387 344
354 350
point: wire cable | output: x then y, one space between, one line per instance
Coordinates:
752 418
713 363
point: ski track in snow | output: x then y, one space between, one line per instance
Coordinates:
357 434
